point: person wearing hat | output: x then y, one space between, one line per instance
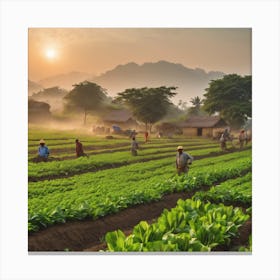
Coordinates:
43 151
182 161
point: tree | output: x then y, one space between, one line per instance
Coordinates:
148 105
38 111
52 92
53 96
85 96
182 105
231 97
195 110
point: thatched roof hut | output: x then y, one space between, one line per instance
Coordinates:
203 125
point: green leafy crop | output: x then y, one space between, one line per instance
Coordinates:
191 226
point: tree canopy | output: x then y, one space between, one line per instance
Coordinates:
38 111
85 96
231 97
54 92
196 109
148 105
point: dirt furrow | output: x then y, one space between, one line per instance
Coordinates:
88 235
81 235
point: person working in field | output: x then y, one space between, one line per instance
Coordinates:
183 160
132 134
223 142
134 147
242 138
79 149
227 134
43 151
146 136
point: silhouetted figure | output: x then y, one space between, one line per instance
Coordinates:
79 149
146 135
223 142
134 147
242 138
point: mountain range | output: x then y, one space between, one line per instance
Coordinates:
190 82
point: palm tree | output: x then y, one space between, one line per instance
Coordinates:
196 102
195 110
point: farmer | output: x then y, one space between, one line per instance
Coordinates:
242 138
226 134
43 151
146 136
183 160
223 141
132 134
79 149
134 147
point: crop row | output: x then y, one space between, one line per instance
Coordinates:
93 150
97 200
157 237
232 191
190 226
69 144
125 175
92 140
84 164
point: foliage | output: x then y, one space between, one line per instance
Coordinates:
70 166
196 109
190 226
182 105
236 190
52 92
247 248
99 194
231 96
38 108
85 96
148 105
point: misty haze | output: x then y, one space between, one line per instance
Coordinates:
139 140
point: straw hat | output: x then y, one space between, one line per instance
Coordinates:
180 148
42 141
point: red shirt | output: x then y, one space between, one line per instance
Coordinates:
79 148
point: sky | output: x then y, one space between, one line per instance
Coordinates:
53 51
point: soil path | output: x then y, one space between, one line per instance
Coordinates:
88 235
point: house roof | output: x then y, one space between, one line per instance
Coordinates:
118 116
204 121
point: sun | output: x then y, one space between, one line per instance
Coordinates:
50 54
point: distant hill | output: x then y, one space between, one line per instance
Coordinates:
33 87
66 80
190 82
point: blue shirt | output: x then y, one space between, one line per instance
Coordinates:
43 151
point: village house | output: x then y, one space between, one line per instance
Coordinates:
206 126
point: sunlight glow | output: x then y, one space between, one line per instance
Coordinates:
50 53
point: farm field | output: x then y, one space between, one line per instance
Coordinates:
107 196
